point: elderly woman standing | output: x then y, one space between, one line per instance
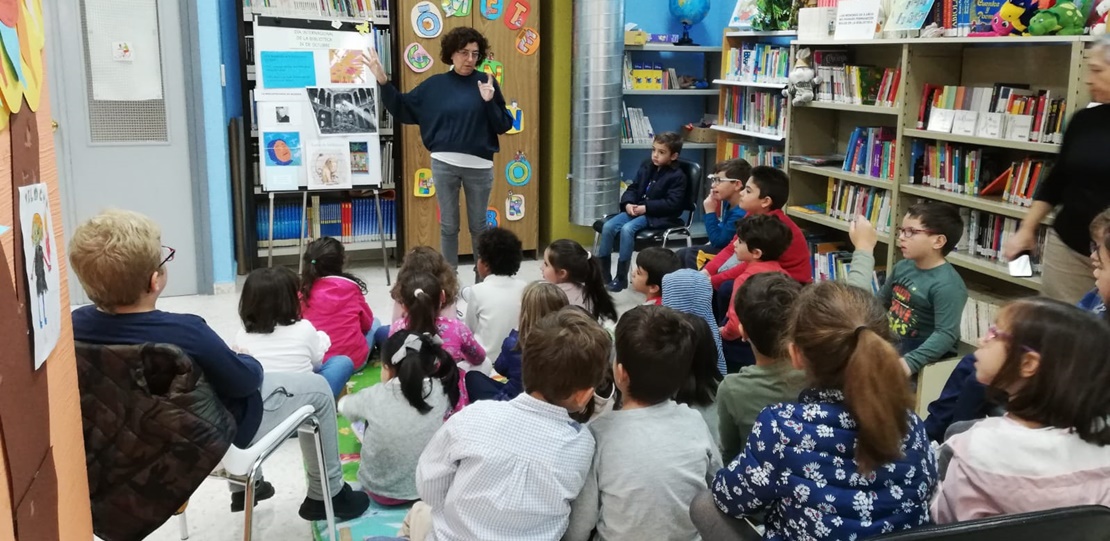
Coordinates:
460 114
1079 184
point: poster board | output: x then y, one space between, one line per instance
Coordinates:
317 106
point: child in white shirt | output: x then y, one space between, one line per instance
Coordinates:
493 305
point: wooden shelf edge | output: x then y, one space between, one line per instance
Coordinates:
738 131
829 221
837 106
673 93
1046 148
992 269
760 34
731 82
971 201
840 174
672 48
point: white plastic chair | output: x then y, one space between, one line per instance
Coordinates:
240 466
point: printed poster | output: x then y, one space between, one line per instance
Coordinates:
344 111
41 256
329 166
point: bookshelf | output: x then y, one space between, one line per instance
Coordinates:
695 60
351 215
823 128
752 112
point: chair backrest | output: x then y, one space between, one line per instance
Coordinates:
694 185
1082 523
154 428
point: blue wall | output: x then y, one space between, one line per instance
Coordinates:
654 17
209 31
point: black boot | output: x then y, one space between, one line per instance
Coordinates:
620 282
606 268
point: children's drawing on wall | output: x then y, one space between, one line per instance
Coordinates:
341 112
360 157
329 167
347 66
41 256
282 148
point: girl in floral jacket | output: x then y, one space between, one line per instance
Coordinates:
850 459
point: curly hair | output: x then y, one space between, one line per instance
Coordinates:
501 251
457 39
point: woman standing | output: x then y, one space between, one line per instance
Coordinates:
1080 184
460 114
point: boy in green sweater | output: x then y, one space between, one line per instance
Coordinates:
924 294
761 304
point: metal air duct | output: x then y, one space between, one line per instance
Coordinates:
596 122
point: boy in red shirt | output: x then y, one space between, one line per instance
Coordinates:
760 242
765 192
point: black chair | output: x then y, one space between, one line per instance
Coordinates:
1081 523
659 236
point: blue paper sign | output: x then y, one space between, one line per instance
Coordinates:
288 69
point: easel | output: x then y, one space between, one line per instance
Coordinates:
304 231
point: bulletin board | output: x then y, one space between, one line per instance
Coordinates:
317 106
513 30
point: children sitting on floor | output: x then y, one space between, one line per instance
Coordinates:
275 334
652 264
763 303
538 300
1052 448
510 470
850 459
493 305
765 192
118 257
425 260
653 455
654 199
418 388
689 291
760 242
699 390
923 293
335 301
568 265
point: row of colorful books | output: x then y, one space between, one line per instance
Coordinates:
859 85
350 221
970 170
1004 111
755 110
871 152
758 63
985 233
649 75
832 260
755 154
845 201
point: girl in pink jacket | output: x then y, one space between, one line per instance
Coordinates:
335 302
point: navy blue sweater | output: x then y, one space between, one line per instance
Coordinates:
451 113
236 378
662 190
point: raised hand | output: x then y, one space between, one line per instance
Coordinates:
486 89
374 62
862 234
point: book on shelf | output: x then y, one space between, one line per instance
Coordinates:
350 221
825 62
871 151
859 85
754 154
649 76
965 169
960 18
845 201
985 233
320 8
1003 111
980 312
818 159
635 126
832 260
758 63
755 110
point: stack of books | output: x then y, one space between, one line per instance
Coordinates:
755 110
758 63
871 152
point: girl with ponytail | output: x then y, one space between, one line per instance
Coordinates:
419 389
422 299
568 265
850 459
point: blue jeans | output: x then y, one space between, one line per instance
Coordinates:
372 336
477 184
625 226
337 370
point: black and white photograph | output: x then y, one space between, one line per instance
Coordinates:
281 114
342 112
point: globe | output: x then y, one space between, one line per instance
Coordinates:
688 12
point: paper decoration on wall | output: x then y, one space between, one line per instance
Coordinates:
494 68
329 167
282 149
288 69
491 9
41 257
427 21
363 28
456 8
417 58
519 171
347 67
340 112
422 183
9 12
516 13
122 52
528 41
10 39
518 117
514 206
493 217
360 157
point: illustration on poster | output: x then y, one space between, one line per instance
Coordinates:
491 9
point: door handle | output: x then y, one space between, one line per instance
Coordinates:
53 125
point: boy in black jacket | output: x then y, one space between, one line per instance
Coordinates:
654 199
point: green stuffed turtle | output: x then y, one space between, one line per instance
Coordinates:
1063 19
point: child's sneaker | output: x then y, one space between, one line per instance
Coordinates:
262 491
348 504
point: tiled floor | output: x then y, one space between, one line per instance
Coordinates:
209 515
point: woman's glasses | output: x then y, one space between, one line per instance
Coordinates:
170 252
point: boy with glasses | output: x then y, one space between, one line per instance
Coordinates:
924 294
724 195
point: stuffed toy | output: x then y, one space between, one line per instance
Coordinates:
1098 27
999 27
803 79
1063 19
